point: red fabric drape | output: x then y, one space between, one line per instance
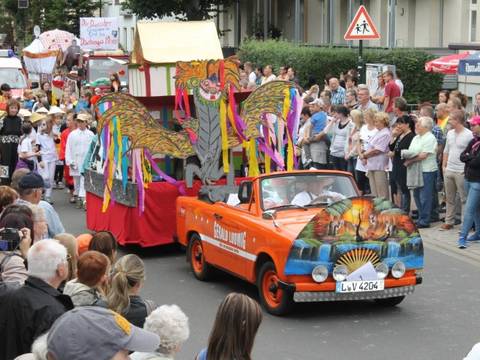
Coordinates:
155 226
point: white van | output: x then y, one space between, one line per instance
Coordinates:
11 73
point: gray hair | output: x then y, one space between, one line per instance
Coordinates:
39 347
171 325
426 122
44 257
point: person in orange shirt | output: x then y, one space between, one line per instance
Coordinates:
6 94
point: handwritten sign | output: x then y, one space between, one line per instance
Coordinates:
99 33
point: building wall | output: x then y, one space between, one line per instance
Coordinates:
126 23
418 23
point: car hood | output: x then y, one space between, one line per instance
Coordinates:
292 224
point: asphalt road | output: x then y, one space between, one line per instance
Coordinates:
441 320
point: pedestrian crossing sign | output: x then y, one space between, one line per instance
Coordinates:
362 27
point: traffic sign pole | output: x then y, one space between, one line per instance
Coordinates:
360 65
361 28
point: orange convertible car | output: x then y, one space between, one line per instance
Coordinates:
303 236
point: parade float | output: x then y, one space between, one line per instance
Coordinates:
185 104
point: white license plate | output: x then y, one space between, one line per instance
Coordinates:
359 286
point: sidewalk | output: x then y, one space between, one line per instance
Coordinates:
446 243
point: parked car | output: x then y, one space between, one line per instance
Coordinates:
303 236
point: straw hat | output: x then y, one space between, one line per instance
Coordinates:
55 110
24 113
84 117
42 110
36 117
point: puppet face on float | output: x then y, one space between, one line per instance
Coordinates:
209 89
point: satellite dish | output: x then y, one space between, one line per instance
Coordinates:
36 31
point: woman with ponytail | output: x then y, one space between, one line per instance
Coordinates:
123 297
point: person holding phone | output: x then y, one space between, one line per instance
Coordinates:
15 240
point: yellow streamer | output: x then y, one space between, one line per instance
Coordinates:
268 164
110 173
290 159
286 109
252 159
223 128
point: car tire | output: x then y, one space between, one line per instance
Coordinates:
200 268
393 301
275 300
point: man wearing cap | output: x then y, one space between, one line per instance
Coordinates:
317 138
78 143
30 188
91 332
29 311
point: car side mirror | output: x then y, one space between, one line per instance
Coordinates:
269 215
245 192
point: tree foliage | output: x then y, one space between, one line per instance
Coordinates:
181 9
48 14
317 62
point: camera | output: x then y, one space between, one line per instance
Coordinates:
9 239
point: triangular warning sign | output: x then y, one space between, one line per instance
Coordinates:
362 27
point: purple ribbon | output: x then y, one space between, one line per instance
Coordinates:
168 179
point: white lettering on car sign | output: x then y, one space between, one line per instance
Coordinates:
237 239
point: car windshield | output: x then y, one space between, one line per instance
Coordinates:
304 190
102 68
13 77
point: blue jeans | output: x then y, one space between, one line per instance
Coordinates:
472 209
405 201
424 197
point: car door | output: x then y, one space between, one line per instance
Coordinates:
230 233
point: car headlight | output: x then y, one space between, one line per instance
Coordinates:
398 270
319 273
382 270
340 272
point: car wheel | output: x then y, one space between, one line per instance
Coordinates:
393 301
201 269
274 299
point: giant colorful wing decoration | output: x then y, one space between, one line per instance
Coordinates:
130 137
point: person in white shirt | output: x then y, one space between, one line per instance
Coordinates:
458 139
315 189
46 139
268 74
78 143
252 77
27 155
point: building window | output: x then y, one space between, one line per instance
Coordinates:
473 13
116 2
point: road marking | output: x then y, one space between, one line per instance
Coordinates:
229 248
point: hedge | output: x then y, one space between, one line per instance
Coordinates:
318 61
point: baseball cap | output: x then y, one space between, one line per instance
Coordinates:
317 101
93 332
474 120
31 181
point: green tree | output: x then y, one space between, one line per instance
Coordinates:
181 9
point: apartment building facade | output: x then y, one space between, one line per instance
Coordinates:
401 23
